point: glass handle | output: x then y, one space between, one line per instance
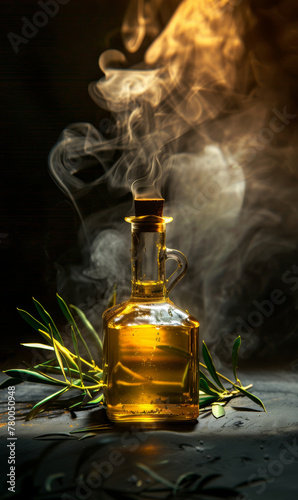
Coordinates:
181 269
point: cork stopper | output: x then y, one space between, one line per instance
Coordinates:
149 206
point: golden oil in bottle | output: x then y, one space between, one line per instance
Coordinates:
150 345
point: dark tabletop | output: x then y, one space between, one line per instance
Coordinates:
245 454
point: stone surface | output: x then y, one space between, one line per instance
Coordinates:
249 451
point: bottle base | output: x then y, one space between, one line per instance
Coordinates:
152 413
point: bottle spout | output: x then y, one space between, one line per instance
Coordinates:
149 212
149 206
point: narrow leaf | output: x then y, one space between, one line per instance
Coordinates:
187 480
64 350
97 374
69 371
206 400
187 477
88 325
209 382
46 335
89 435
68 355
54 435
59 359
204 482
65 309
40 346
174 350
218 410
32 321
45 364
96 400
251 396
205 387
31 376
156 476
78 404
76 348
93 428
235 355
48 320
67 368
210 365
39 407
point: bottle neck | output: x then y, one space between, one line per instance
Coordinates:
148 262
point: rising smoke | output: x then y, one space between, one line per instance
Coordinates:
206 120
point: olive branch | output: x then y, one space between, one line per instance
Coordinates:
81 378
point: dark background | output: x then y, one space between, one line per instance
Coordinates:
44 88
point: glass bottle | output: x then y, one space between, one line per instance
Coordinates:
150 355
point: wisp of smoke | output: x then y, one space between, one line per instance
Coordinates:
200 122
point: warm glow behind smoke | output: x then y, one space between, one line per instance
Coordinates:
184 120
187 76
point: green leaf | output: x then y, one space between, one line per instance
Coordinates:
96 400
218 410
66 353
235 354
78 403
210 365
40 346
205 387
64 308
47 363
97 374
250 396
58 356
48 320
186 480
55 435
200 485
32 321
209 382
69 371
88 325
93 428
89 435
156 476
175 351
39 407
76 348
31 376
206 400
